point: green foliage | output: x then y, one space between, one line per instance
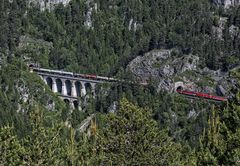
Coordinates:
212 143
43 144
128 137
11 151
220 144
184 118
59 39
131 137
112 43
20 92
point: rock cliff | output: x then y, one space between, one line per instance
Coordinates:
168 67
47 4
227 3
161 64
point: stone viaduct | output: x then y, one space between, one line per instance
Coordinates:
69 86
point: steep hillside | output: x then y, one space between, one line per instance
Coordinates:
160 43
227 3
101 37
111 37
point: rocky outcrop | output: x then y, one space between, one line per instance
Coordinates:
133 25
225 86
218 29
88 18
85 124
227 3
91 6
143 67
234 31
167 68
162 66
221 91
192 114
165 84
161 63
47 4
23 91
113 107
51 4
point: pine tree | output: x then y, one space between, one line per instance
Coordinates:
220 144
11 151
212 144
43 145
131 137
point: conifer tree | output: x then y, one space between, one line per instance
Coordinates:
131 137
11 151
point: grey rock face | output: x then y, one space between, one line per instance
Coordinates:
165 85
113 107
227 3
218 29
143 67
225 85
23 91
188 62
167 70
48 4
162 66
133 25
91 6
234 31
220 90
192 114
88 18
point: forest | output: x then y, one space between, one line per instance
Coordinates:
101 37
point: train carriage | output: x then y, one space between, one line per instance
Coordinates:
202 95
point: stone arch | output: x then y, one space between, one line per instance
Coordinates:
68 87
31 65
66 101
49 82
59 85
178 86
75 104
78 86
88 87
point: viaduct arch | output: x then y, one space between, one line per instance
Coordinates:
69 86
69 89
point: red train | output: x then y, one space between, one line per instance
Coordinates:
202 95
71 74
95 77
